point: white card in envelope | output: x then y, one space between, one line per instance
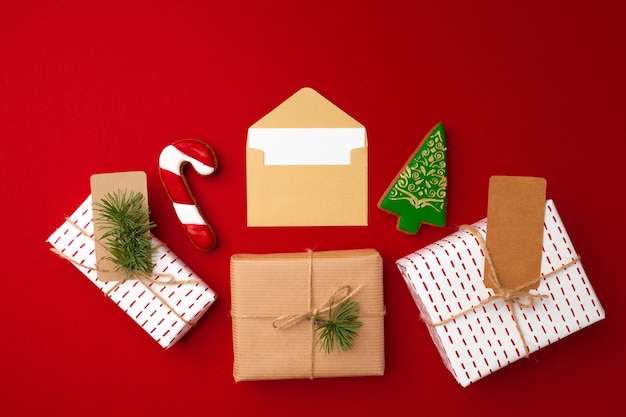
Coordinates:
302 146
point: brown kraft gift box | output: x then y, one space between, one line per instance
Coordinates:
267 287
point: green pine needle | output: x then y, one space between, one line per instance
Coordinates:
126 224
340 328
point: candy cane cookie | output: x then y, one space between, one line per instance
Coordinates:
172 162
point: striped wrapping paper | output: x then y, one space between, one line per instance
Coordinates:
164 311
446 280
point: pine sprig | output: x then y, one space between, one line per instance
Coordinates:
126 224
340 328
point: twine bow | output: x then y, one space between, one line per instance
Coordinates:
522 296
337 297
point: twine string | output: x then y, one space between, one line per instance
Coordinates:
511 296
289 320
337 297
145 279
286 321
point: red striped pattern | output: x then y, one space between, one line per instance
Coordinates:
445 279
198 230
190 300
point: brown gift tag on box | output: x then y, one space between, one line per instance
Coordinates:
515 216
266 287
101 184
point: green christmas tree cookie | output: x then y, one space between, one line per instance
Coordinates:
418 193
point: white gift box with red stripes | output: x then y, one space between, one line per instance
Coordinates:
165 311
446 281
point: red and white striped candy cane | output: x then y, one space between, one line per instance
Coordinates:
172 162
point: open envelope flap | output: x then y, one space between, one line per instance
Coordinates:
306 108
307 129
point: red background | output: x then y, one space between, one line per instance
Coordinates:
535 88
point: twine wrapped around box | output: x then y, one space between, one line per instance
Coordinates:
145 279
478 331
190 300
270 292
522 297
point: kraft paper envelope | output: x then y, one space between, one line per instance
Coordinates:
306 165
